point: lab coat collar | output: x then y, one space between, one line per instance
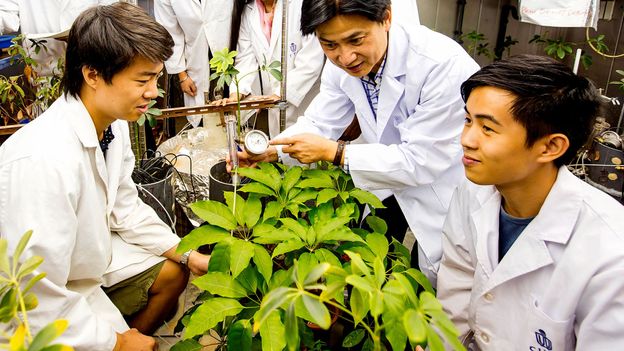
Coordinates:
530 251
81 121
392 84
486 226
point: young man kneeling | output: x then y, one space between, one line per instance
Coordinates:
533 257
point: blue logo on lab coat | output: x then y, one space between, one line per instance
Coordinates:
293 48
542 340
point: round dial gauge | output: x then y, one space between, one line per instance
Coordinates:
256 142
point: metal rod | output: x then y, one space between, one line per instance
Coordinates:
230 133
283 104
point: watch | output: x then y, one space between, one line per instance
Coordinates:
185 257
256 142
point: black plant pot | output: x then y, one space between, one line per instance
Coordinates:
221 181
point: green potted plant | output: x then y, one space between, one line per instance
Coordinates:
16 300
225 74
285 257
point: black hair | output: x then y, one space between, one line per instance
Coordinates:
108 39
316 12
549 98
237 14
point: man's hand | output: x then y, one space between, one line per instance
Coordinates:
307 147
198 263
188 86
246 160
222 102
132 340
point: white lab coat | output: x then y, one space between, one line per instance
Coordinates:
196 27
562 278
304 66
40 17
405 12
88 223
412 149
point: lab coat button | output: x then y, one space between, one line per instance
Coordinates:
489 297
485 337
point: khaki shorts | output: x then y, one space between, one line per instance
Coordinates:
130 295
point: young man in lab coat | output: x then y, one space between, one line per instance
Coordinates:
402 83
533 257
67 176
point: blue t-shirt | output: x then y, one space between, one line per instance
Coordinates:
509 229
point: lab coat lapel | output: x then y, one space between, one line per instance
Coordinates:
276 31
392 82
82 124
530 252
486 227
354 89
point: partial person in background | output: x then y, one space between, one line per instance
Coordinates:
403 83
43 17
533 257
257 36
67 176
198 28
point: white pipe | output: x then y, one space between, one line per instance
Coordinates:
577 60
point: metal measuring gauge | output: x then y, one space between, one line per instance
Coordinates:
256 142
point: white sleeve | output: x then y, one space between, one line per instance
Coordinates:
456 273
9 16
166 16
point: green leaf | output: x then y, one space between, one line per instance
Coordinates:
378 244
421 279
29 266
32 281
394 298
46 335
429 303
353 338
273 333
272 301
317 311
263 261
295 226
249 279
268 234
215 213
220 258
324 255
287 246
253 210
208 314
238 208
379 272
239 336
4 257
203 235
323 228
244 252
303 196
395 332
292 329
265 174
291 177
433 340
357 264
366 198
273 209
361 283
276 74
321 180
20 247
187 345
377 224
415 326
359 305
222 284
257 188
407 288
316 273
342 234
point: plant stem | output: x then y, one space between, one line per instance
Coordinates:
23 309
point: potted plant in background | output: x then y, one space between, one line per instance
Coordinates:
291 252
225 73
